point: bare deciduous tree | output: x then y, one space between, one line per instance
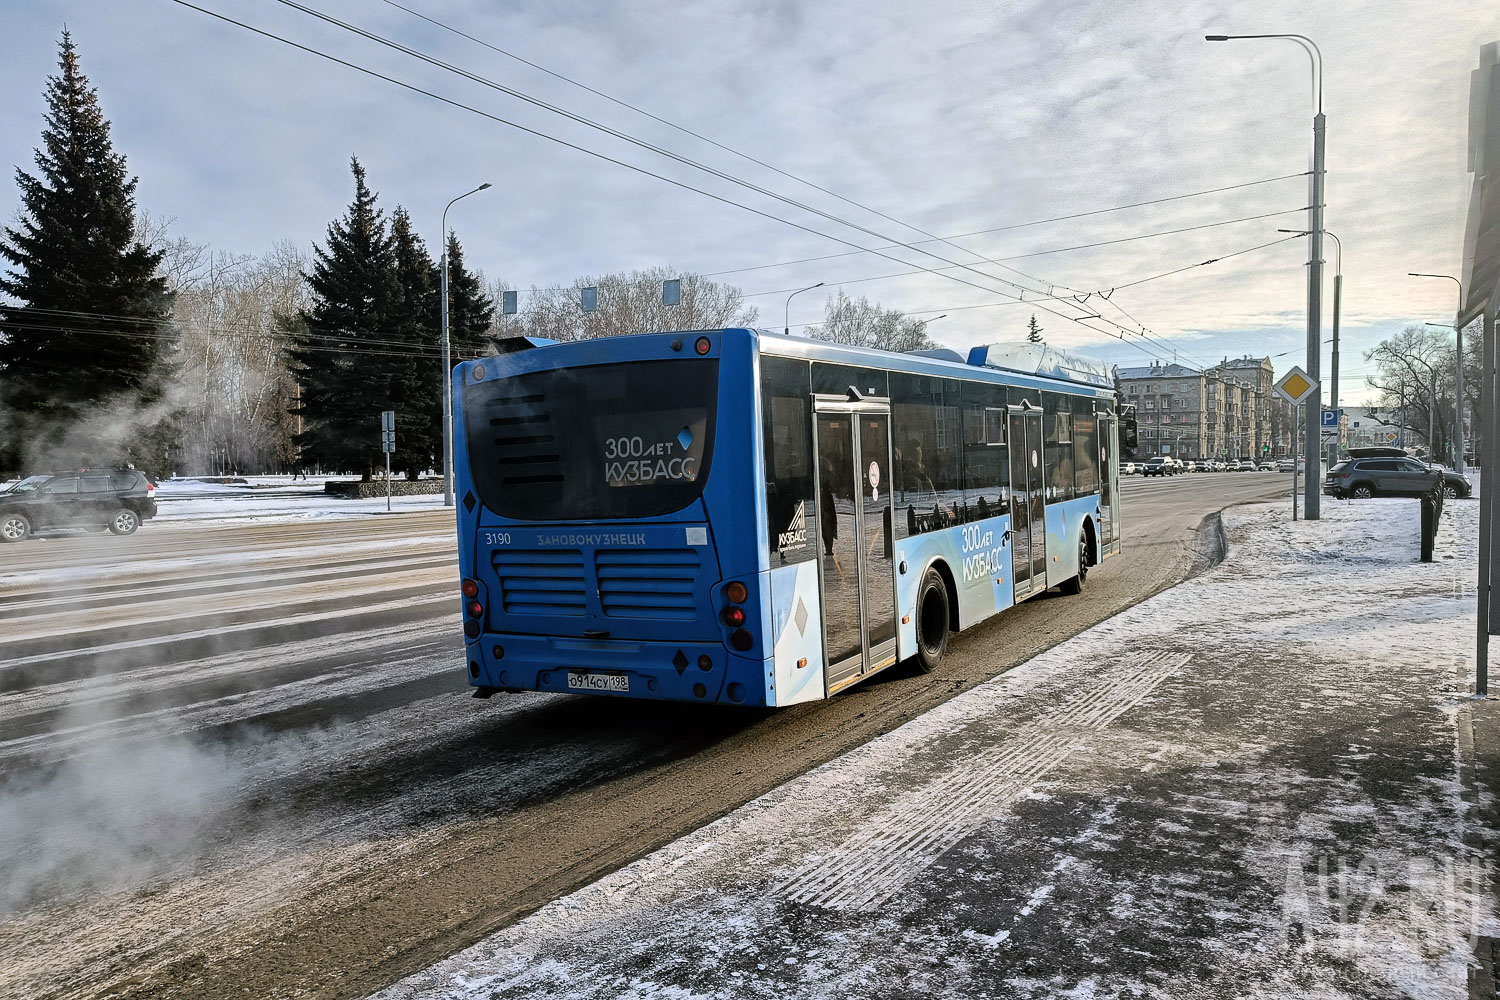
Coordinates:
862 323
234 383
1415 376
627 303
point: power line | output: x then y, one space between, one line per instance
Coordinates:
1127 239
329 19
696 135
605 157
1020 302
1022 225
247 327
636 141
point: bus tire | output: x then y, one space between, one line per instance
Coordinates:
932 621
1075 585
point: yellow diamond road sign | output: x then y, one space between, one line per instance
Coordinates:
1295 386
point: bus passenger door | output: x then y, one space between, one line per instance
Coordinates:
1109 486
852 454
1028 513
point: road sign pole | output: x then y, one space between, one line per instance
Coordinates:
388 445
1296 465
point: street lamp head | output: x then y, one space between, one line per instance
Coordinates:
1294 232
1216 38
484 187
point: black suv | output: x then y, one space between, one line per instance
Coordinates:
1373 472
117 499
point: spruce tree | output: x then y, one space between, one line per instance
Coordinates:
470 312
344 349
1033 331
414 380
85 354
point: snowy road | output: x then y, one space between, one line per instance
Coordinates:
239 758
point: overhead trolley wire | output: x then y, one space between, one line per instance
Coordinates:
812 184
629 166
1086 246
636 141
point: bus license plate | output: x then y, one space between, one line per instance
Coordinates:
581 681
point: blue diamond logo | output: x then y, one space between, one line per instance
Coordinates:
685 438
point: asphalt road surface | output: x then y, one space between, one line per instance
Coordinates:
241 760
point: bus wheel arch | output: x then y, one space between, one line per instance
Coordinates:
952 585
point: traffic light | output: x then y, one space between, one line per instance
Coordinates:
1265 449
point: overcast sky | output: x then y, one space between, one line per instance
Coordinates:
950 117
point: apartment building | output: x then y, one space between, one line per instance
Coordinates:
1228 411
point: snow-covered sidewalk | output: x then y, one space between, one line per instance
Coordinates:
1257 784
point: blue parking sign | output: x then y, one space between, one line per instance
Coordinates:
1331 418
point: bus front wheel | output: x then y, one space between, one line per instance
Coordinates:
932 621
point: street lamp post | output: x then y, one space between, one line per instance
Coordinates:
1458 375
1314 404
448 361
786 319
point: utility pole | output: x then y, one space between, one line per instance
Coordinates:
1313 405
1458 374
786 319
1432 414
448 360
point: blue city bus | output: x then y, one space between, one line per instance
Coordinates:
742 517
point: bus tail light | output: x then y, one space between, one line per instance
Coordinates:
736 592
734 617
470 588
741 640
702 346
476 609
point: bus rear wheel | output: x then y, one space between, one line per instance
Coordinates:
1075 585
932 621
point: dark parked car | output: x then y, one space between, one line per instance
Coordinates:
1161 465
1390 476
117 499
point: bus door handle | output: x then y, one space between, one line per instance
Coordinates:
596 633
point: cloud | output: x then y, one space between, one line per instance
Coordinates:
954 118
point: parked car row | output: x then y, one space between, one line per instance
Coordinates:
1166 465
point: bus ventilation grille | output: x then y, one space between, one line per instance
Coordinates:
541 582
648 583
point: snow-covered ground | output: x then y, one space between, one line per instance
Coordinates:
1252 785
271 499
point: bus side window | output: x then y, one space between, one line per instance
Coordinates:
925 436
986 458
786 408
1085 448
1057 453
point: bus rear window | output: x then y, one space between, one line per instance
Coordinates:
607 441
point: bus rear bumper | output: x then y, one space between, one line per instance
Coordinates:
663 671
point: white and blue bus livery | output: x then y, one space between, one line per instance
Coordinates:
742 517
